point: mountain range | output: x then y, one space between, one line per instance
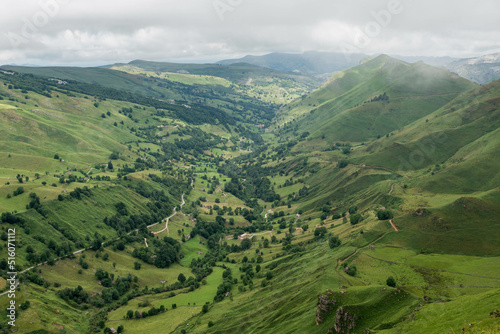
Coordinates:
256 196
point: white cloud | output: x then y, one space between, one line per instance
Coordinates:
95 32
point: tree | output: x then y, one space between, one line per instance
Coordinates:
246 244
320 232
25 305
205 308
355 218
384 214
110 165
343 164
181 278
137 266
130 314
56 156
391 281
334 241
352 270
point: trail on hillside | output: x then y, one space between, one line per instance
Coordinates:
340 261
168 218
393 225
84 249
430 268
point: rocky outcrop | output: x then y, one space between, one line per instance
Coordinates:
326 302
344 321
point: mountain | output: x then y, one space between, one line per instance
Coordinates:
372 100
322 63
259 91
482 69
461 138
312 62
433 61
369 205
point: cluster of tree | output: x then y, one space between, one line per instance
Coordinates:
10 218
18 191
225 286
258 187
79 192
143 314
164 255
385 214
381 97
77 295
320 232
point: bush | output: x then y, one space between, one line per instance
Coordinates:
355 218
343 164
391 282
352 270
334 241
25 305
210 323
384 214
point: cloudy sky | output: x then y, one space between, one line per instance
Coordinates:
97 32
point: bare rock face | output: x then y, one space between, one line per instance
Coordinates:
344 321
326 302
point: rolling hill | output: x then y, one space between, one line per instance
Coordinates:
373 99
367 206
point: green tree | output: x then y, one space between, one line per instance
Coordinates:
355 218
384 214
181 278
391 281
334 241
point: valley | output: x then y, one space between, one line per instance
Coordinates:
184 198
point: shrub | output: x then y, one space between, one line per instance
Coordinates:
385 214
391 282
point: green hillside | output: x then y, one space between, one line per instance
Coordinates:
368 206
373 99
455 143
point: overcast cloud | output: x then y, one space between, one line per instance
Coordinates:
97 32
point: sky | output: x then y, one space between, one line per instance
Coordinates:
99 32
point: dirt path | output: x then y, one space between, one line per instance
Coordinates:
104 243
340 261
168 218
431 268
392 188
146 242
393 225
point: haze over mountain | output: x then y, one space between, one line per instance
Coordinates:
320 63
482 69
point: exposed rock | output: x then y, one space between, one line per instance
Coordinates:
344 321
326 302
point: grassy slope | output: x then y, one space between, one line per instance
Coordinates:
341 111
